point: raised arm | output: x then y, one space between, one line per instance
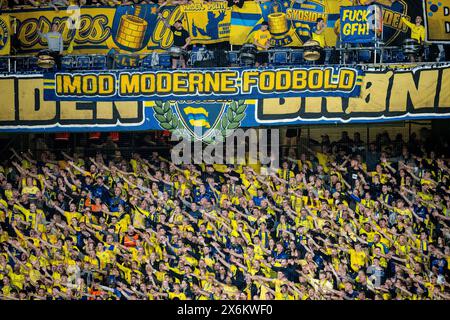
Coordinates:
77 167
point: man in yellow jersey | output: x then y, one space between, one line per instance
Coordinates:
261 39
418 34
318 34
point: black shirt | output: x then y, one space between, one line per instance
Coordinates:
240 4
352 176
179 36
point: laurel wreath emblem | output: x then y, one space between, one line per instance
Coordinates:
231 119
166 117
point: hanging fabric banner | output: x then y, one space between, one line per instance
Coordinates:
235 83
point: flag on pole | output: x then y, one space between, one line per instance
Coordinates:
72 43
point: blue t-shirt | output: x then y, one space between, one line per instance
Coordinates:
114 203
258 200
100 192
198 196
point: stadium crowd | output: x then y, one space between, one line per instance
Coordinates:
333 224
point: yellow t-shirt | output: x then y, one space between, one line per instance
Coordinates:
70 215
104 257
17 280
6 290
34 275
29 216
133 164
320 38
304 222
425 181
281 296
425 196
404 212
8 194
323 160
262 37
357 259
402 250
139 218
6 270
30 190
417 32
252 187
180 295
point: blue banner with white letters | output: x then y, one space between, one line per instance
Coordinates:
358 24
387 94
196 84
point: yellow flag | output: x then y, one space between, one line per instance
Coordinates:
437 21
243 21
5 35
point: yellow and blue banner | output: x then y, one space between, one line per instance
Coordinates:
358 24
127 29
5 35
437 20
290 22
194 84
207 22
137 29
387 94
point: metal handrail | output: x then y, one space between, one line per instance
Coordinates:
12 59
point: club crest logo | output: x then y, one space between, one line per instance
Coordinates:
207 121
